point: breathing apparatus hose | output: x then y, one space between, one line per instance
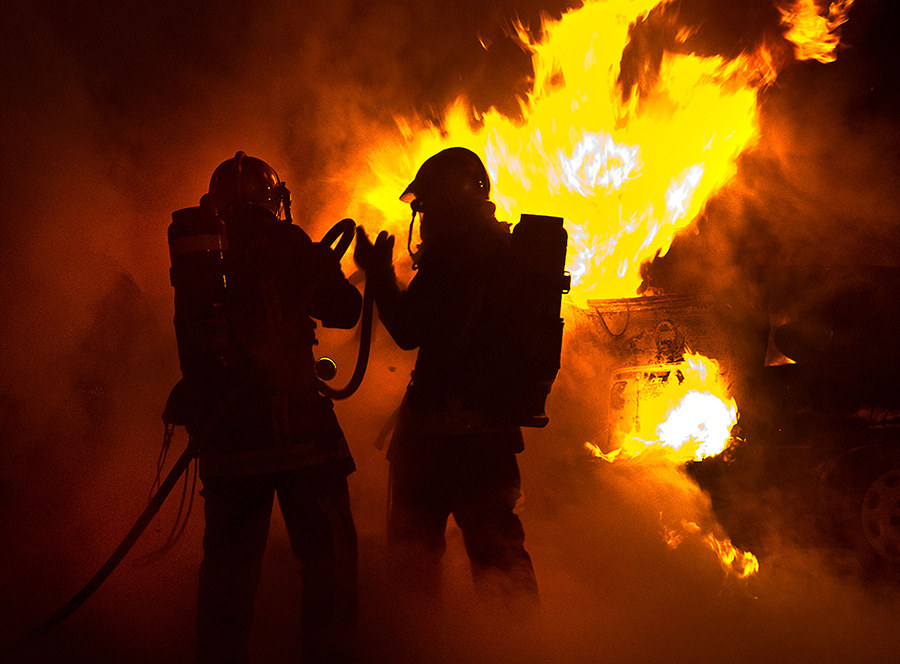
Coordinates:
343 232
124 547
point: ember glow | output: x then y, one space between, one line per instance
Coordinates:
626 168
813 31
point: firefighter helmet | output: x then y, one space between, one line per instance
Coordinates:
452 178
244 179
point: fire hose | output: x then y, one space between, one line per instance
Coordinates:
342 232
113 561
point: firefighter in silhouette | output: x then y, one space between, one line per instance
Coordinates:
454 447
247 285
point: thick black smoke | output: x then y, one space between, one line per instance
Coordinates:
114 115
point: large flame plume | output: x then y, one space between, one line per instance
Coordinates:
627 168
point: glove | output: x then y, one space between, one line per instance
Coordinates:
374 258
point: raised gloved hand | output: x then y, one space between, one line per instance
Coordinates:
374 258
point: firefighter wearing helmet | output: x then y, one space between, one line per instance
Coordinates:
455 444
248 284
245 180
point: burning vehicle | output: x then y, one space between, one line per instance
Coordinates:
815 456
820 461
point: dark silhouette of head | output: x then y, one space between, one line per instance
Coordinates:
453 178
244 180
451 190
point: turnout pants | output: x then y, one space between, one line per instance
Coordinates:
479 486
323 538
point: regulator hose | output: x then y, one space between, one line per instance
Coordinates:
124 547
362 359
343 231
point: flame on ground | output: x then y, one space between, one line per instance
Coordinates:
732 559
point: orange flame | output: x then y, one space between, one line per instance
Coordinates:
814 36
677 411
689 413
625 174
732 559
626 171
744 563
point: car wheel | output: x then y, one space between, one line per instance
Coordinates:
880 514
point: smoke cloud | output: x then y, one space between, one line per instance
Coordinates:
116 115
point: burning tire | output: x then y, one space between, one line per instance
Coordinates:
880 514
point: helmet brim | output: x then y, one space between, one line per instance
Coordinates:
408 195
